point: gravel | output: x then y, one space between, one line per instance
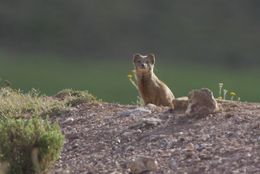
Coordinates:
103 137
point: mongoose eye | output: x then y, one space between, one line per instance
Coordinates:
139 61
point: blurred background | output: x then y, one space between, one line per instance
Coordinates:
88 45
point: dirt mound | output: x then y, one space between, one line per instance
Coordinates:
103 138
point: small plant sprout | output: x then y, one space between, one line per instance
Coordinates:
139 101
130 76
219 98
225 93
220 90
232 95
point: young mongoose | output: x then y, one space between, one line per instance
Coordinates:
151 89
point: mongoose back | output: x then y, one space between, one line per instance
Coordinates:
151 89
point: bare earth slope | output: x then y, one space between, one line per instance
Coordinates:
102 137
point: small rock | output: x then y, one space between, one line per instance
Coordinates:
205 155
180 103
173 164
190 147
200 147
142 164
205 137
189 150
137 112
117 140
115 172
151 121
156 137
93 114
130 148
75 145
256 125
128 134
201 102
68 120
152 107
181 139
62 171
228 115
179 133
146 123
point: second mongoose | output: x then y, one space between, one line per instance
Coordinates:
151 89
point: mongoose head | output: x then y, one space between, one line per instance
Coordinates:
144 63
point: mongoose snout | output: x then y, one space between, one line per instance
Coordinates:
144 63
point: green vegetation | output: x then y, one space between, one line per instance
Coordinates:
14 103
29 146
107 79
132 78
29 143
74 97
223 91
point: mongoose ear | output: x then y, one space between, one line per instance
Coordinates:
136 56
151 58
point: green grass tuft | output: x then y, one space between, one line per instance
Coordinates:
74 97
15 104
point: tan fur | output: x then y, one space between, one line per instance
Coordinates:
150 87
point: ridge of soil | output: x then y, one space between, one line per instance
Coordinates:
100 139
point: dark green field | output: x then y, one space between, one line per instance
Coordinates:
108 79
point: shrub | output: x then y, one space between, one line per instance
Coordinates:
14 103
29 145
74 97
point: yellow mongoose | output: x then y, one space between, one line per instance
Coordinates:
151 89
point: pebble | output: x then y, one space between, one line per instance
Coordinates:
200 147
68 120
151 121
190 147
173 164
137 111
